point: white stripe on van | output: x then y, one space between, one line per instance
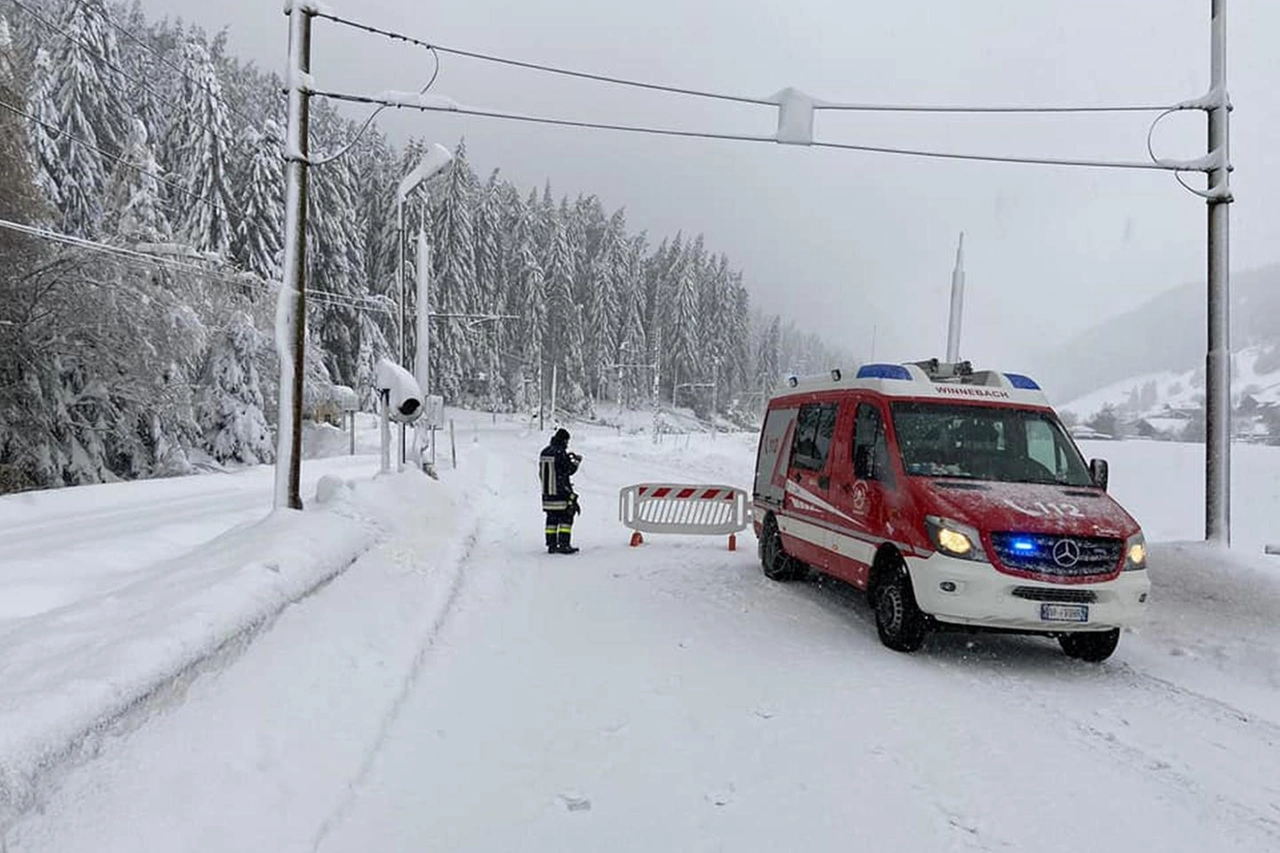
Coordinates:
827 539
809 497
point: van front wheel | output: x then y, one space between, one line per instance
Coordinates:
1093 646
778 565
899 620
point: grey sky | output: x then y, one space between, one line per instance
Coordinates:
844 241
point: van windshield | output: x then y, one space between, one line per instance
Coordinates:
986 443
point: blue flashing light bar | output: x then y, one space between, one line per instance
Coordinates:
883 371
1026 383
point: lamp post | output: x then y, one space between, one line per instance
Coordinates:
436 158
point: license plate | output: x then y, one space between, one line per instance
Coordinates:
1064 612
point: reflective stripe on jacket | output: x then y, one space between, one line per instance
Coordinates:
554 470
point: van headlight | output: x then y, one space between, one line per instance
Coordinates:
1135 553
955 539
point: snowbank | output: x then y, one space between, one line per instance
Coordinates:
324 440
1213 625
70 671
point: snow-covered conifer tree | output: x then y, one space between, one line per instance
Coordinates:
230 405
259 233
89 99
198 144
454 279
134 209
42 104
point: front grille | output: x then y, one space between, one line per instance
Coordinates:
1060 596
1057 556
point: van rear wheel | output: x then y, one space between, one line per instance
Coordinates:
899 620
1093 646
778 565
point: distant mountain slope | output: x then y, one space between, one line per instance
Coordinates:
1164 335
1255 374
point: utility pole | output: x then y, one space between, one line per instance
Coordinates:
292 305
1218 358
423 359
957 305
555 373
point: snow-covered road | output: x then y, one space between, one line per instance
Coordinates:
99 538
458 689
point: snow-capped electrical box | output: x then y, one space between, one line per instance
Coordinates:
433 412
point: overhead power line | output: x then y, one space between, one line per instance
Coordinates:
462 110
534 66
719 96
450 107
241 279
121 251
1007 109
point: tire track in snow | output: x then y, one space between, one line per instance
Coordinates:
356 785
1129 725
1216 740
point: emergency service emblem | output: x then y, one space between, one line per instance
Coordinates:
860 502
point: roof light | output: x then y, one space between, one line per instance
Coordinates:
883 371
1026 383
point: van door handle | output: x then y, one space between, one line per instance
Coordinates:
824 482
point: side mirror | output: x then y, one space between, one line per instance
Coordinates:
1099 473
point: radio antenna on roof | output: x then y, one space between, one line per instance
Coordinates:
957 305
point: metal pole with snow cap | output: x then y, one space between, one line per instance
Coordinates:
436 158
1218 357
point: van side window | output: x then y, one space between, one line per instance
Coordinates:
870 446
815 424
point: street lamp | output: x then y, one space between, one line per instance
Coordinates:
436 158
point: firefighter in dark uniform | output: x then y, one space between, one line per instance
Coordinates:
555 466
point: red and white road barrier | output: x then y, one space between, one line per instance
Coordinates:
698 510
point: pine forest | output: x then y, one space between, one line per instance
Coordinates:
141 230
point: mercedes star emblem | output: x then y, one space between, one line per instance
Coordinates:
1066 553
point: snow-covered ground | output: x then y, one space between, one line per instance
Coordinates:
457 688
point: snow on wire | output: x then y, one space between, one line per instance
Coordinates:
320 11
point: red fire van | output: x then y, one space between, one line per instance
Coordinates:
955 498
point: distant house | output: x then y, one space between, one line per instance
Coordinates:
333 404
1165 427
1185 413
1148 428
1248 405
1080 432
